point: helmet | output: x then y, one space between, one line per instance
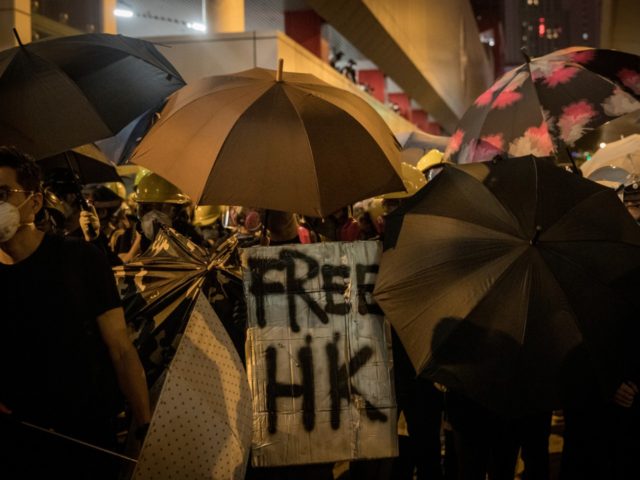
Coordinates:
102 196
429 159
118 188
129 170
141 173
53 204
206 215
152 188
413 180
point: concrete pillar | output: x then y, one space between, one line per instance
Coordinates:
109 23
224 16
14 14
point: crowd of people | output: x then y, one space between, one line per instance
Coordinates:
67 365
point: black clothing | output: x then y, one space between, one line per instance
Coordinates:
487 443
55 369
423 407
601 442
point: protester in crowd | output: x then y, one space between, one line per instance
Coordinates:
602 429
51 218
246 224
340 226
487 440
282 228
159 202
100 222
64 347
206 220
370 216
422 406
63 185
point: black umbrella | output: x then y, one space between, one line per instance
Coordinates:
158 290
60 93
507 280
87 161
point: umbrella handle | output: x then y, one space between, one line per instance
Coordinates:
84 205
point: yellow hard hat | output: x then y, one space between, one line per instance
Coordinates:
413 180
131 171
140 174
429 159
152 188
206 215
118 188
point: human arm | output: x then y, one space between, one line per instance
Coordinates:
134 251
126 362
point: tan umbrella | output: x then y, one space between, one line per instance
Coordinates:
623 154
259 138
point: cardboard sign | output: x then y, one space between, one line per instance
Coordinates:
201 426
318 355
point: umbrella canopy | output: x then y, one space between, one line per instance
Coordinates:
295 144
87 161
60 93
623 154
158 290
202 422
503 280
547 104
119 148
612 177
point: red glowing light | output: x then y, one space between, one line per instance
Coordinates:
541 27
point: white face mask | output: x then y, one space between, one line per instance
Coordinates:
150 221
10 219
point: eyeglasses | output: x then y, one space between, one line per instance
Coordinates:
5 191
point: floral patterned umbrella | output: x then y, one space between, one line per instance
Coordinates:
547 104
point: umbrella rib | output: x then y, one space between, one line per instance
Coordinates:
306 134
507 212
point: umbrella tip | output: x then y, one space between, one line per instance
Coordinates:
279 72
526 56
536 235
15 34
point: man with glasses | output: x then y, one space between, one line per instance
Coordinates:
63 343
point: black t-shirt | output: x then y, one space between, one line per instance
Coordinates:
54 366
